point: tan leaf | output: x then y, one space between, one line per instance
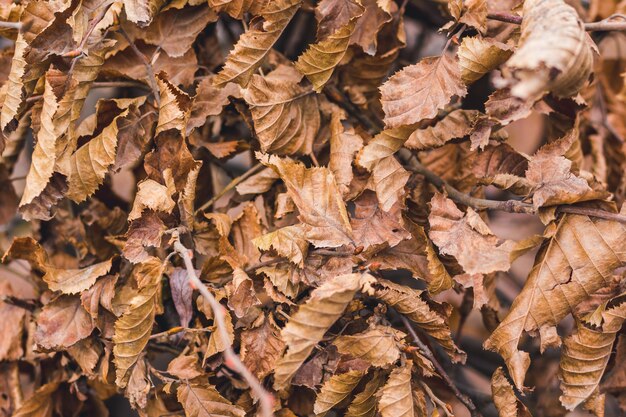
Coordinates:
389 178
365 402
344 144
586 354
175 107
377 14
241 295
289 242
209 101
319 61
174 31
185 366
14 94
474 14
431 317
567 269
457 124
419 91
72 281
90 163
507 108
374 227
258 183
335 390
377 345
62 323
216 343
504 398
237 8
331 15
12 326
261 347
553 54
199 399
396 396
133 328
40 404
254 44
313 318
151 195
142 11
479 56
467 238
285 114
383 145
144 232
315 193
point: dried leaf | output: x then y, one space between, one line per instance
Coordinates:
378 345
62 323
396 396
479 56
365 402
202 400
506 402
261 347
335 390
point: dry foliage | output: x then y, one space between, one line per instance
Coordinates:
305 208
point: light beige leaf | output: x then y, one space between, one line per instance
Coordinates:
142 11
90 163
151 195
396 396
15 83
199 399
419 91
554 53
175 106
335 390
174 31
261 347
389 178
255 43
586 354
72 281
384 144
431 317
40 403
377 345
479 56
467 238
289 242
507 404
344 144
44 154
567 269
319 61
133 328
258 183
315 193
209 101
62 323
285 114
365 402
313 318
474 14
457 124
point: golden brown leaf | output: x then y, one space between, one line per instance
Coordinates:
175 107
567 269
285 114
40 404
419 91
396 396
365 402
317 197
378 345
506 402
254 44
373 227
331 15
344 144
335 390
62 323
479 56
199 399
457 124
289 242
313 318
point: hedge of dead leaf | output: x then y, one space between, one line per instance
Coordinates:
287 207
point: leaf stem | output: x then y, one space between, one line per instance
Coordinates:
232 359
236 181
146 63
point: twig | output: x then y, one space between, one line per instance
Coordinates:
435 400
338 97
254 170
10 25
605 25
429 354
232 359
18 302
147 64
591 212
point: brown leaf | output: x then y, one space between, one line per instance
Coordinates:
315 193
72 281
289 242
62 323
506 402
396 396
365 402
209 101
378 345
254 44
457 124
261 347
237 8
285 114
418 91
374 227
199 399
479 56
567 269
344 144
467 238
175 106
40 404
331 15
309 324
12 326
182 295
335 390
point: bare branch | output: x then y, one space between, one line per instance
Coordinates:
606 25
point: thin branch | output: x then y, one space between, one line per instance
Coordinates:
605 25
429 354
101 84
10 25
435 400
232 359
147 64
591 212
236 181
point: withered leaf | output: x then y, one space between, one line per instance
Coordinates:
396 396
504 398
40 404
377 345
335 390
365 402
261 347
62 323
199 399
